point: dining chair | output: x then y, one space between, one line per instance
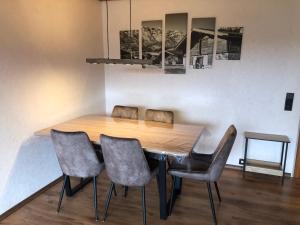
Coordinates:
126 112
205 168
159 116
164 117
127 165
77 158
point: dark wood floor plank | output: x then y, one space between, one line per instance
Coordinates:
255 200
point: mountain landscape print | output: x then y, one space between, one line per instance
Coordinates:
152 41
176 43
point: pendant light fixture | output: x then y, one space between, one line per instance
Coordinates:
108 60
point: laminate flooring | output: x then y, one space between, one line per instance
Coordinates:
253 200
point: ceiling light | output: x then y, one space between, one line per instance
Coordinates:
108 60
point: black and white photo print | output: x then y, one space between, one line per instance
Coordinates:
152 41
202 42
176 43
129 44
229 43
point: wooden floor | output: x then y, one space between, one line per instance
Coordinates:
257 199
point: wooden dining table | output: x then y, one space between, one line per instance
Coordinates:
159 140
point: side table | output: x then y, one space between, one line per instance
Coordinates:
266 167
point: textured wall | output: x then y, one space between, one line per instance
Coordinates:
44 79
249 93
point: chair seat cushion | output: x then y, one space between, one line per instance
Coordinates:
195 166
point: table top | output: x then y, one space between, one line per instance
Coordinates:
170 139
267 137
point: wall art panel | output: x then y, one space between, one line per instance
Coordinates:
175 43
202 42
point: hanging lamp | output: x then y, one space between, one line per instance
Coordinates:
108 60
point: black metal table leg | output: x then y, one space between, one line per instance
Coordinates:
163 188
284 163
245 157
72 191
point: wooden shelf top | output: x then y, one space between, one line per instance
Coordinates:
263 164
267 137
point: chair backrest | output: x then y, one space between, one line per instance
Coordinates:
126 112
222 153
75 154
159 116
125 161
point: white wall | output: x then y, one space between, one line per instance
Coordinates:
249 93
43 77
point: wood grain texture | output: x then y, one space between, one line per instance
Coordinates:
256 200
170 139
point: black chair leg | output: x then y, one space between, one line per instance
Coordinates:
218 192
212 203
125 191
95 198
144 205
61 195
172 195
115 191
112 187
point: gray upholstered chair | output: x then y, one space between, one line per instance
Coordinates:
126 112
77 158
159 116
205 168
126 164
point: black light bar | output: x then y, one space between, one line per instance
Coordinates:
119 61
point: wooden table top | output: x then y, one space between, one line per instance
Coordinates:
169 139
267 137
